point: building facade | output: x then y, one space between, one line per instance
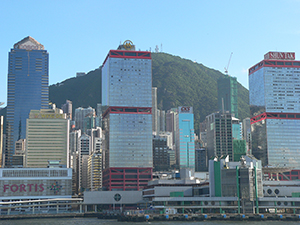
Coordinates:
127 121
27 89
35 183
160 154
81 114
274 91
219 135
47 138
1 140
185 146
227 95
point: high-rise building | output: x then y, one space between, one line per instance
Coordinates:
201 160
1 141
247 134
162 121
154 111
67 109
27 89
85 149
47 138
227 95
274 91
95 166
219 135
185 146
160 154
81 114
127 122
171 123
19 156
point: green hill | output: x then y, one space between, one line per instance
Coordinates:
179 82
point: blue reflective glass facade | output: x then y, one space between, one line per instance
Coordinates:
186 139
27 90
274 92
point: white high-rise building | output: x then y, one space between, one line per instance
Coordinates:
274 92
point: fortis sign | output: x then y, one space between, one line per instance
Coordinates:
23 188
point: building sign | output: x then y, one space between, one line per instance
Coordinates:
280 55
48 116
13 188
23 187
128 44
185 109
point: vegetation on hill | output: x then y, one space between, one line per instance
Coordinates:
179 82
83 91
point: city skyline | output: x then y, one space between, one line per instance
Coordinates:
73 32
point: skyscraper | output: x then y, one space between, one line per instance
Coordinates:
27 89
1 141
185 145
274 91
227 95
219 135
47 138
127 95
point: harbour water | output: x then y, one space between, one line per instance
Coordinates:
94 221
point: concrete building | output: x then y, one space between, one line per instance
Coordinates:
1 140
247 134
127 121
219 135
160 154
85 149
35 183
67 109
95 166
27 89
171 123
81 114
19 156
201 159
47 138
155 127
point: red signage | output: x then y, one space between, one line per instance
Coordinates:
280 55
23 187
185 109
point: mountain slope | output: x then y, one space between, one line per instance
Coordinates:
179 82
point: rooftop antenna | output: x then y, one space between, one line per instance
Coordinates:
226 69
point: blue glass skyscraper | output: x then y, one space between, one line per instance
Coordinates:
27 89
186 138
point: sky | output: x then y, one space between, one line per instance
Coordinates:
79 34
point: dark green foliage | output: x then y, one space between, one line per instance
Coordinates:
82 91
179 82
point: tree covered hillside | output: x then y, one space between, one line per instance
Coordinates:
179 82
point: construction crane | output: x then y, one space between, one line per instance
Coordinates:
226 69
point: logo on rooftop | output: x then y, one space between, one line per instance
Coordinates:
128 44
280 55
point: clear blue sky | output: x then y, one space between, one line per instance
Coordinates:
79 34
